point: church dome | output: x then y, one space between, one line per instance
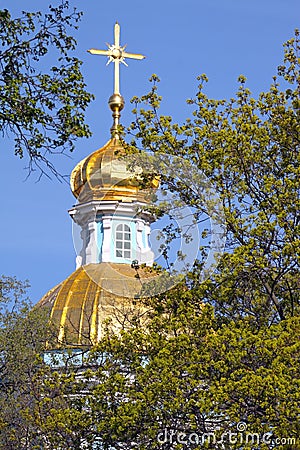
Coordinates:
81 305
104 175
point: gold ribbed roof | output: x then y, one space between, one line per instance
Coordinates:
93 294
104 175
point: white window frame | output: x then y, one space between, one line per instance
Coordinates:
123 241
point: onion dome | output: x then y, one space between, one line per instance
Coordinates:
93 295
104 175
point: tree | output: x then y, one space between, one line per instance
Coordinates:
22 337
41 401
42 91
249 150
184 380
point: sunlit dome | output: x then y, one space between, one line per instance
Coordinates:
93 297
104 175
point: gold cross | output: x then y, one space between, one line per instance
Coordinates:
117 55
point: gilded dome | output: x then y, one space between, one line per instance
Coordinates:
80 306
104 175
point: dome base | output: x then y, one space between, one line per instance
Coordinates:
94 297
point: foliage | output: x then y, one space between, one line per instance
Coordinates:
21 340
187 377
42 91
182 382
40 401
249 150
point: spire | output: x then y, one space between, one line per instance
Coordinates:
117 55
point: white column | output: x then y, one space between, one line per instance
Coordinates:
107 239
91 248
139 240
145 255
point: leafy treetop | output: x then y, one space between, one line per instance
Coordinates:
42 92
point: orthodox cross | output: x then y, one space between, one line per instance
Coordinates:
117 55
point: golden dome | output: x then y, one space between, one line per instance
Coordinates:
104 175
90 296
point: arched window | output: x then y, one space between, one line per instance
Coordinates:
123 241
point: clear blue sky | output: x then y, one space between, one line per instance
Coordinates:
222 38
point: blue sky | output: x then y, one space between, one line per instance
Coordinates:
222 38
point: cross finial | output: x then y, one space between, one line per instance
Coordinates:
117 55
